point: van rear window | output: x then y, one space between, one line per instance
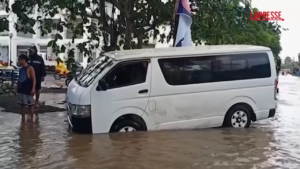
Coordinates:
205 69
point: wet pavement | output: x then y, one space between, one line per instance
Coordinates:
50 81
47 144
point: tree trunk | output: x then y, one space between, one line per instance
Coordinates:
128 33
114 40
140 41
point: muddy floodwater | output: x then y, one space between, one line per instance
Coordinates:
47 144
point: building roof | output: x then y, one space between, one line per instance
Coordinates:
182 51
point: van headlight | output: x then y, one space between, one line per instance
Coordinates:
82 111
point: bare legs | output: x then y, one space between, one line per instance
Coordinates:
23 113
37 98
31 113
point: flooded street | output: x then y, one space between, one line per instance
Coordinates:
268 144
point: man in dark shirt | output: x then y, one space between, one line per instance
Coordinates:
37 62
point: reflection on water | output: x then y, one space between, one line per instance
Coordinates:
211 148
268 144
30 143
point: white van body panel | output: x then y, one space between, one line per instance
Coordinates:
205 105
78 95
113 103
165 106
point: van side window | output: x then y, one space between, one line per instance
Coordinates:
127 74
192 70
239 64
205 69
259 66
243 66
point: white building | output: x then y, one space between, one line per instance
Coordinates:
19 42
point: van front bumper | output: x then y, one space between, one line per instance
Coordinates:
79 124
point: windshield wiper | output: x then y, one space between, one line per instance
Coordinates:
91 69
96 74
90 72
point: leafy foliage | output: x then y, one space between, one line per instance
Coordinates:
299 59
129 24
222 22
289 63
288 60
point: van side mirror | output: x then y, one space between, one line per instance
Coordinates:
102 86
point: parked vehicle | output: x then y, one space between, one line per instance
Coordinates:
59 75
9 73
173 88
278 68
63 72
79 67
70 77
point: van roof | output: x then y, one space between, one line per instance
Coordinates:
181 51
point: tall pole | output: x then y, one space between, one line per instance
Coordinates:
10 49
176 20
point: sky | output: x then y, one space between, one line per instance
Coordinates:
289 39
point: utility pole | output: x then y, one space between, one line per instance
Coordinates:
176 20
10 48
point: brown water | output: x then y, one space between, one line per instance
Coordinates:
47 144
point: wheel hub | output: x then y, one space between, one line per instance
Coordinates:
127 129
239 119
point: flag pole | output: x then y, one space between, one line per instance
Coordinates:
176 20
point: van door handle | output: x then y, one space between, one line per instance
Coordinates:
143 91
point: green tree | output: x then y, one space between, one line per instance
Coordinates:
288 60
227 22
107 21
116 23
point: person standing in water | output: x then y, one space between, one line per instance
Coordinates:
37 62
26 87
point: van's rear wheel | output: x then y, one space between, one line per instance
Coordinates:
238 116
126 125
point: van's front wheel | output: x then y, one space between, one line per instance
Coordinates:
238 117
126 126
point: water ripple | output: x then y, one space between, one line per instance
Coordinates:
47 144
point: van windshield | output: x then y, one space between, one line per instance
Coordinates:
88 75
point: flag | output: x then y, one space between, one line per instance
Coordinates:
183 27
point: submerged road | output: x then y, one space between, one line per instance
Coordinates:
47 144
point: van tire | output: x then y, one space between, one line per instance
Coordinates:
238 116
126 125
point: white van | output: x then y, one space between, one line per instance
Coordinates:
173 88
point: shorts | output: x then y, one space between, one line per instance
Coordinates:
25 100
38 85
